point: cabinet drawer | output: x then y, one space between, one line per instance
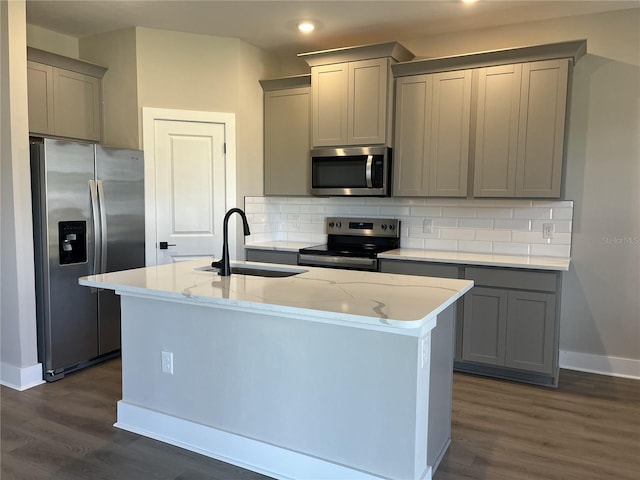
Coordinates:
513 279
272 256
423 269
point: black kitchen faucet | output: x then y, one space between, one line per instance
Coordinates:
223 265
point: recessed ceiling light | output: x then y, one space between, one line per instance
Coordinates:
306 27
469 1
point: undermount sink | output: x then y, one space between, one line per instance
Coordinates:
258 270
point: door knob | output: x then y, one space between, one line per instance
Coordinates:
165 245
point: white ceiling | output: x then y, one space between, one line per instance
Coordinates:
270 25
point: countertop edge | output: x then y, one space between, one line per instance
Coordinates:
436 256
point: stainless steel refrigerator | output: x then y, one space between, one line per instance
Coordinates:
88 218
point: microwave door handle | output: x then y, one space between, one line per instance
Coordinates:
368 173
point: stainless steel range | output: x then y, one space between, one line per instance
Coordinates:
353 243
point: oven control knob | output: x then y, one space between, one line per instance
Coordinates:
383 226
338 224
331 224
391 227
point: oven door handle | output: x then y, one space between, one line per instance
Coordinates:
335 261
369 175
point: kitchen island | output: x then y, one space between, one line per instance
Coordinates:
325 374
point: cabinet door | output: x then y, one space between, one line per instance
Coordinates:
484 326
449 142
329 84
412 136
530 331
77 100
287 141
40 93
367 102
541 128
496 143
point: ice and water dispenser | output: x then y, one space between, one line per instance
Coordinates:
72 244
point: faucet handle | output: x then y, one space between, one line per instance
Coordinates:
217 264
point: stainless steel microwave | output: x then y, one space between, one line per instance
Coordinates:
351 171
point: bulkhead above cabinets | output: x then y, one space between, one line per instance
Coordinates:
352 94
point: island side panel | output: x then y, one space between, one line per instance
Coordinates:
348 395
441 384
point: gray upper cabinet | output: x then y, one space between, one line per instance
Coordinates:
350 103
352 94
287 132
543 104
64 95
40 93
496 132
432 134
520 127
514 138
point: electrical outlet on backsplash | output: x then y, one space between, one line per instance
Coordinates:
503 227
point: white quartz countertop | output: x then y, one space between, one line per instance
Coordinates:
463 258
482 259
391 301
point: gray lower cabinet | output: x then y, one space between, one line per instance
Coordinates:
271 256
510 323
506 325
485 326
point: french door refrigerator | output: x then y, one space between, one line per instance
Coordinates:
88 218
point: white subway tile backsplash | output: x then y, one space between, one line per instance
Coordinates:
476 223
563 251
457 234
459 212
394 211
418 232
532 213
426 211
503 248
509 224
493 235
363 210
561 213
561 226
499 226
475 246
445 222
436 244
494 212
528 237
417 243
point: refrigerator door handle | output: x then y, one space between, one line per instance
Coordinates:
103 227
96 225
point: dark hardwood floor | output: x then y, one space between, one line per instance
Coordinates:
588 428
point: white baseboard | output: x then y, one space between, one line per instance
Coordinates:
20 378
603 365
260 457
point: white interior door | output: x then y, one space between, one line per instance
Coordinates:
187 185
